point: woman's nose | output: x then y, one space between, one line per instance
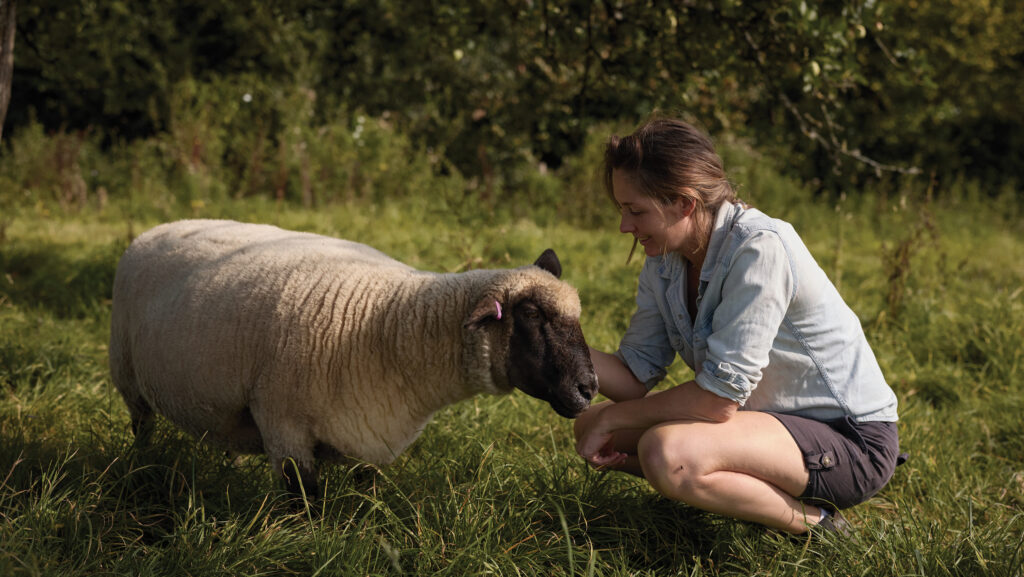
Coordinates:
624 225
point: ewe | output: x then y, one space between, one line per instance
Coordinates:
305 347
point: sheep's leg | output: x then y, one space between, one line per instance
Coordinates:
299 479
123 376
291 456
142 422
286 437
141 415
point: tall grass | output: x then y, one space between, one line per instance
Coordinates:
493 485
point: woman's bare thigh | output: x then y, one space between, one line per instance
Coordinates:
751 442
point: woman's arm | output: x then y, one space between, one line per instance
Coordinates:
614 379
687 401
761 279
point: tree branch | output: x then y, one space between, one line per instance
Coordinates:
835 147
831 144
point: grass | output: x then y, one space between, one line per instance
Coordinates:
493 485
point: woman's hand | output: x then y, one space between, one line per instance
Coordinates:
597 447
607 429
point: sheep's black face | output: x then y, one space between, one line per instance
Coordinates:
549 359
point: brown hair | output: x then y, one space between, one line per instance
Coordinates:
669 159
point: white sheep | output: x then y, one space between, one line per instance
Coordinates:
306 347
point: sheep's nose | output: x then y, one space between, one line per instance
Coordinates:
586 390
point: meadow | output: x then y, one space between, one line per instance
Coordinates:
493 486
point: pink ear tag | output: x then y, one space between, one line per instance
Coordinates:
497 305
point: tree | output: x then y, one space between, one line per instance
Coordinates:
8 20
513 77
845 91
111 65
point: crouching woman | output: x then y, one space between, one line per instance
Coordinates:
789 418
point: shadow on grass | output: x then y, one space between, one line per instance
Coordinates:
69 282
140 494
615 513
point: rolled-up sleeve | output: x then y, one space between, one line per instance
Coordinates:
756 294
645 347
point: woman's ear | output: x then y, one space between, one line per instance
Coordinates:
684 205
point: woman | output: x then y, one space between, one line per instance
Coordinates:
789 418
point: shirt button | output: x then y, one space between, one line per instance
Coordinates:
827 461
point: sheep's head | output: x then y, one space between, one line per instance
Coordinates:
546 355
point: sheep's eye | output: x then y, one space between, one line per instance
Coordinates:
530 312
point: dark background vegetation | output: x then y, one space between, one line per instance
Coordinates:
841 93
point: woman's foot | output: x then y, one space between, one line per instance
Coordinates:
834 523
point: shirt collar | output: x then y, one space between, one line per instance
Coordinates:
725 218
670 264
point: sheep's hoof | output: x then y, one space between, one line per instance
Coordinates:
142 430
300 481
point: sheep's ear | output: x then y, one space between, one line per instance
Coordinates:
488 309
548 261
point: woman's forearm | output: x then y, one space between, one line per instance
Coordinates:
633 408
614 379
596 440
687 401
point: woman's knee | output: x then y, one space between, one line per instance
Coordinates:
672 462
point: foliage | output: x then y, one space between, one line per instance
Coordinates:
111 65
948 72
226 139
837 89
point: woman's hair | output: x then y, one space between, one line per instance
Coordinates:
668 159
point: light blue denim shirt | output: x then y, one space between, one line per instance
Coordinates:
771 333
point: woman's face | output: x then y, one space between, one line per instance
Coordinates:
660 228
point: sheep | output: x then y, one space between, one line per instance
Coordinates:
309 348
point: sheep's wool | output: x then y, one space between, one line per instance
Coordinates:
262 339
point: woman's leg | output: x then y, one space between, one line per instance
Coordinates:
748 467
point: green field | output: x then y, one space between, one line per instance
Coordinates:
493 486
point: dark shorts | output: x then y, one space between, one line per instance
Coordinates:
848 461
